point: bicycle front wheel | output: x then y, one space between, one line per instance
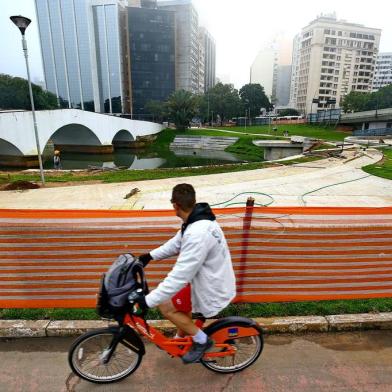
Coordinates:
89 353
248 350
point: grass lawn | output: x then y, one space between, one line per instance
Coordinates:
318 132
382 168
272 309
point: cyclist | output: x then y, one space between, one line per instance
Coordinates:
203 261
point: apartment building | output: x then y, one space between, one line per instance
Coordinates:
383 71
208 43
334 57
187 43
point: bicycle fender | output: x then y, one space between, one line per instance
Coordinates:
231 321
131 339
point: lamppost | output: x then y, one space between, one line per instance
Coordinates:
22 23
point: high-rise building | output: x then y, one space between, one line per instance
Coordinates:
262 69
208 42
202 62
334 58
187 43
272 70
84 52
294 71
383 71
152 54
282 90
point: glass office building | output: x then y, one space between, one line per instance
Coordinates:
152 53
82 45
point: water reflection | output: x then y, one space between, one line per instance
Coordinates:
124 158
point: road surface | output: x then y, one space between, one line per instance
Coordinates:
341 362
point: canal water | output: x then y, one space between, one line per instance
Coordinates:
131 159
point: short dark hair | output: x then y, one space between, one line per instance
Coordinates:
185 196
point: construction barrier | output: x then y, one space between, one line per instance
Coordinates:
55 258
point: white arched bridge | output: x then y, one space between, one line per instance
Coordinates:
85 131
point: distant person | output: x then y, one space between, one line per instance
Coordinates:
57 160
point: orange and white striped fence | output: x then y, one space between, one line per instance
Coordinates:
55 258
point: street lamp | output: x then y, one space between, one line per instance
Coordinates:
22 23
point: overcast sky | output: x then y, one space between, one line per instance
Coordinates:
240 28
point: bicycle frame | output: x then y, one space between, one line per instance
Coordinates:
179 346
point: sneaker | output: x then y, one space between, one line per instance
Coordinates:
197 351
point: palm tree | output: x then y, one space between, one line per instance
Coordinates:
182 107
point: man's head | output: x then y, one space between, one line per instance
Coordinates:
183 199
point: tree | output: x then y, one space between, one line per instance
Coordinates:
222 100
289 112
253 98
14 94
181 107
157 109
357 101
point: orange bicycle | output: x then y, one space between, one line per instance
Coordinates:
110 354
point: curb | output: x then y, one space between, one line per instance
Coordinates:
274 325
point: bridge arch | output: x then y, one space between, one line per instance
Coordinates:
7 148
74 134
123 138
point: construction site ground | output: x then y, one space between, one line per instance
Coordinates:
335 181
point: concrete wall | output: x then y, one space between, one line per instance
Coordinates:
85 128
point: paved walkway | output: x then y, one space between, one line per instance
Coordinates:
295 185
340 362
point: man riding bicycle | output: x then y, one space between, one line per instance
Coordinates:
202 279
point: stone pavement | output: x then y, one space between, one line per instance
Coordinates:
273 325
343 182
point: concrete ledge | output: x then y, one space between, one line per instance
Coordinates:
295 324
23 328
73 327
300 324
350 322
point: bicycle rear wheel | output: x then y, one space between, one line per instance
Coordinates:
88 353
248 350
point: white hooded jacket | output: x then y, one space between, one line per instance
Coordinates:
204 261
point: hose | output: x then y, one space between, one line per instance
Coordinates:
244 202
328 186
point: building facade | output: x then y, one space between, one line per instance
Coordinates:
202 62
152 54
334 58
83 53
294 71
208 42
283 79
383 71
187 43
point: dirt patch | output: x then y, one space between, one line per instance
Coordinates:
19 185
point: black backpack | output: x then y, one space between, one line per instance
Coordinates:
125 275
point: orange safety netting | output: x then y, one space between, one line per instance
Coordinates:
55 258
